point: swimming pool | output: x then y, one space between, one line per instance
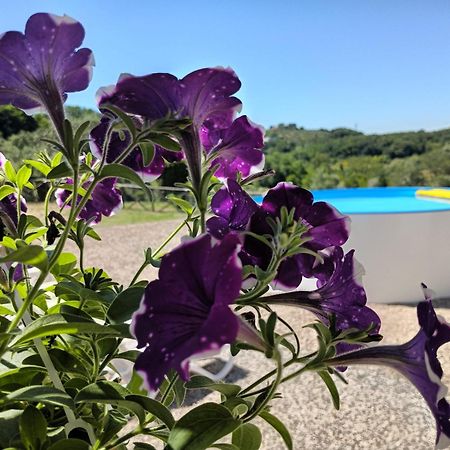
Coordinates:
384 200
400 239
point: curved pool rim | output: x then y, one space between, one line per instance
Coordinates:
379 200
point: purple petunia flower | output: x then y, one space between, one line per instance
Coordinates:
39 67
105 200
134 160
186 311
205 96
232 207
342 294
417 361
235 149
326 227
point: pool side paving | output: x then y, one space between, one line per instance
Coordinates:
379 408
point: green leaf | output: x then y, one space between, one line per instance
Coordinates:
70 444
62 170
120 171
226 447
148 152
202 382
10 172
6 190
20 375
33 428
184 205
155 408
115 421
247 437
33 255
40 166
41 394
112 394
127 120
9 431
55 324
65 263
166 142
125 304
23 176
143 446
276 423
201 427
331 385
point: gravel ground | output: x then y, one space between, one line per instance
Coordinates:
379 408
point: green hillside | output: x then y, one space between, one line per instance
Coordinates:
311 158
347 158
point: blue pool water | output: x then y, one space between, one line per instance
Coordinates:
387 200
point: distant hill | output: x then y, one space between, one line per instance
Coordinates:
347 158
314 159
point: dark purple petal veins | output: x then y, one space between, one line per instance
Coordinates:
206 97
186 311
239 149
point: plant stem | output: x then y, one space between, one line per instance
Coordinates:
272 391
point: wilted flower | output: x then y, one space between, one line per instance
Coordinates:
186 312
105 200
134 160
342 295
417 361
204 96
39 67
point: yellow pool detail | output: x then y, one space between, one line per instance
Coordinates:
435 193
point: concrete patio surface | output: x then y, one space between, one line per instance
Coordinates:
379 408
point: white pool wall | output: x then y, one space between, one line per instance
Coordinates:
399 251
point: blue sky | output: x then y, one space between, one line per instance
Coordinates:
379 66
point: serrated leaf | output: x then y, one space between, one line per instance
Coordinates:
201 427
279 426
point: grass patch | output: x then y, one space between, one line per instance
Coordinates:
132 212
141 213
